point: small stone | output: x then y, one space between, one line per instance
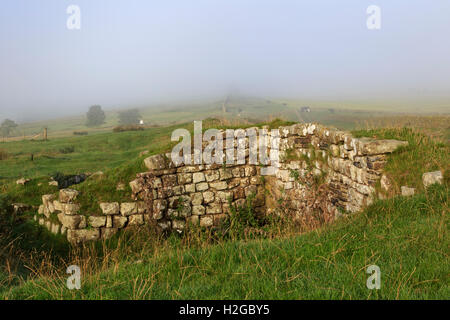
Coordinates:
407 191
430 178
23 181
386 185
120 186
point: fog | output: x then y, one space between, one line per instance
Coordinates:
141 52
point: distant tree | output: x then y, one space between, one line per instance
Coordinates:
129 117
95 116
7 126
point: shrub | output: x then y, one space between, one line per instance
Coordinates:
80 133
128 128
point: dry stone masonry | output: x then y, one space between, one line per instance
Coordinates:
321 171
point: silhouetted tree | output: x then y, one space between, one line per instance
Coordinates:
7 126
95 116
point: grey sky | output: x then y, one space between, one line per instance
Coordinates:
134 53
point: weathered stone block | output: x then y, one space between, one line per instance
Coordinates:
206 221
214 208
135 186
198 210
70 208
208 196
110 208
58 206
72 222
202 186
159 208
198 177
119 221
47 199
142 207
68 195
156 162
190 188
370 147
197 198
128 208
212 175
97 221
222 185
223 196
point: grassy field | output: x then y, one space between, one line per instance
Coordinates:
342 114
406 237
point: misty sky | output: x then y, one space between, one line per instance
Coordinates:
139 52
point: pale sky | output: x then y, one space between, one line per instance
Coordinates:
139 52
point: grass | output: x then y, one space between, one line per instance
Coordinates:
406 237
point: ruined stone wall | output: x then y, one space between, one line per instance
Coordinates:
321 171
